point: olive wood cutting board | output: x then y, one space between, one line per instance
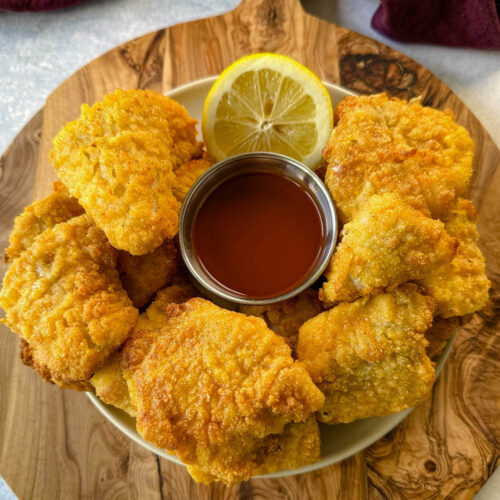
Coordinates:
55 444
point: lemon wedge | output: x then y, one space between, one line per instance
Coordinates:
267 102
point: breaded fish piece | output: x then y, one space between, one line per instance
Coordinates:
460 286
57 207
187 173
298 445
439 333
110 385
30 358
143 275
118 159
368 357
64 297
177 293
213 385
110 381
381 144
387 243
285 318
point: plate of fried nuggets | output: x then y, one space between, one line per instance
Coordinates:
392 309
387 336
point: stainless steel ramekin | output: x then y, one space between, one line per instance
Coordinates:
240 164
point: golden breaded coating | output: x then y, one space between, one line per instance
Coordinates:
461 286
176 293
213 384
368 357
187 173
298 445
29 358
143 275
110 385
151 321
285 318
382 144
386 243
64 297
118 158
146 330
439 333
110 381
57 207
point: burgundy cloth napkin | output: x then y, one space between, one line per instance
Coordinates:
458 23
35 5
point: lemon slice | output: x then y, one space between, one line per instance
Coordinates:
267 102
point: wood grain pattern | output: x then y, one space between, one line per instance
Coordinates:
54 444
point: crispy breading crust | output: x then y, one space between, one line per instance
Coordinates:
29 358
57 207
110 385
118 159
111 380
177 293
382 144
213 384
298 445
285 318
143 275
187 173
386 243
63 295
439 333
461 286
368 357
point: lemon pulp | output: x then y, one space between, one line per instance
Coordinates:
267 102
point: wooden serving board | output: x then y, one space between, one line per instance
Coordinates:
54 443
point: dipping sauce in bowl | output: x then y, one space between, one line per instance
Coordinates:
257 228
259 234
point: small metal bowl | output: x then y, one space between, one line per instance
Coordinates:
237 165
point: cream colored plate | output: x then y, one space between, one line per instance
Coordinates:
337 441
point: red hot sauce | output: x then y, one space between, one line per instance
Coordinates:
259 234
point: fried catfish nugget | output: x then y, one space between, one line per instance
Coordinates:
64 297
382 144
110 381
285 318
57 207
187 173
298 445
214 385
460 286
30 358
143 275
110 385
118 159
386 243
368 357
439 333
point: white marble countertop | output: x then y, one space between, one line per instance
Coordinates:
38 51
